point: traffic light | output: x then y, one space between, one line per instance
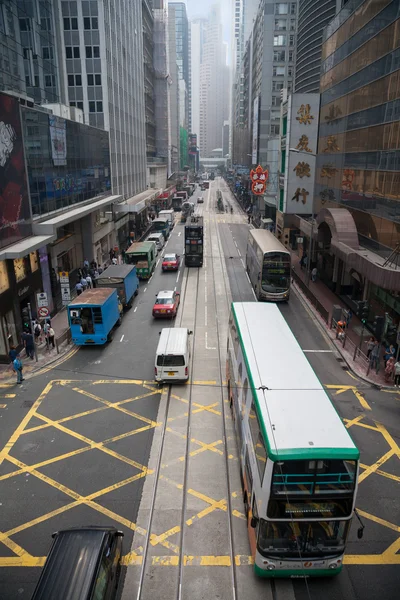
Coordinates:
379 325
364 313
25 318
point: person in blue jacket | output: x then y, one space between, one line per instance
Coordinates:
17 364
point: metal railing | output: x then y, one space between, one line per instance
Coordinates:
65 336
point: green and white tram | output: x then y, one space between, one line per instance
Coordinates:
268 266
299 465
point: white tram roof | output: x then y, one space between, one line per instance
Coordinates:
267 241
296 411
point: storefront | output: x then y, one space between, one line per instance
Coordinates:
20 281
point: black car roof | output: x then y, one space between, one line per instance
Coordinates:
74 558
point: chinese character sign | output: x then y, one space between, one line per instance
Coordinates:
259 179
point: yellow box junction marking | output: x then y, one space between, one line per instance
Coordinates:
23 558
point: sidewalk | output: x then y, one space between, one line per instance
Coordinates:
45 355
320 300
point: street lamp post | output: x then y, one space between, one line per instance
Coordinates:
308 271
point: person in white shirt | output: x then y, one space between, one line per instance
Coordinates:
89 281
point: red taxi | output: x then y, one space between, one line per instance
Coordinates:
166 304
171 262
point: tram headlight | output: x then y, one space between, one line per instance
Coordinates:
333 566
271 567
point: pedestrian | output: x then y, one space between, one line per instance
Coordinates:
302 262
29 345
349 316
86 263
12 353
37 332
249 219
370 344
389 352
397 374
314 273
51 336
114 260
17 364
84 283
375 356
93 264
79 288
305 261
389 369
89 281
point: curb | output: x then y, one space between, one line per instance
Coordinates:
69 347
336 350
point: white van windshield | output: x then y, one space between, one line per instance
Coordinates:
168 360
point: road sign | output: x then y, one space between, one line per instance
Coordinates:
64 277
65 295
42 299
43 312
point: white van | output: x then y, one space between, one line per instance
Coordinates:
173 355
168 214
158 239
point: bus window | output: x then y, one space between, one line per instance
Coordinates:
258 442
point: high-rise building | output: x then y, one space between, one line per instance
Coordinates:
102 55
313 17
356 193
244 13
177 12
148 62
174 100
28 50
162 82
198 29
214 95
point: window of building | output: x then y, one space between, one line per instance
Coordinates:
90 79
277 85
25 24
74 80
281 8
79 105
25 52
36 79
290 71
280 24
274 129
68 51
291 55
45 24
99 106
70 23
47 53
49 81
91 23
279 40
291 40
92 51
276 100
278 71
97 79
279 55
292 25
92 106
293 8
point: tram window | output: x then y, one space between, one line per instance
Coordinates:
258 442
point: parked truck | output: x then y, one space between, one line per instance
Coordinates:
93 315
177 203
168 214
124 279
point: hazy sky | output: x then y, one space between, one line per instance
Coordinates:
200 8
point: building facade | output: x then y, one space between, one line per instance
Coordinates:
357 195
197 36
102 59
174 98
313 17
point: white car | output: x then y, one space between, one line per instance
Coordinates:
200 200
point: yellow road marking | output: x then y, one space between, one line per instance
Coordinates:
3 405
353 421
378 520
383 473
361 399
9 396
375 466
14 437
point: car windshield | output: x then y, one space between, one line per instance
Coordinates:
307 538
169 257
164 301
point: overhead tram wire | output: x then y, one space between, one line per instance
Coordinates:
265 388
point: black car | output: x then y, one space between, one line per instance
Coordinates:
83 564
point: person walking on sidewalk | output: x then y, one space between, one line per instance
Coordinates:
370 344
17 364
12 354
29 345
389 370
38 332
375 356
89 282
390 351
314 273
51 336
397 374
79 288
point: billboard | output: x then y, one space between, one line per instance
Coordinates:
15 213
58 137
254 151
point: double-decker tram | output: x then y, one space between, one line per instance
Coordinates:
268 266
194 238
299 465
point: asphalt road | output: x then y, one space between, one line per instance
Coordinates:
374 570
80 437
91 441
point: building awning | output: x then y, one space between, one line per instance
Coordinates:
24 247
137 203
50 226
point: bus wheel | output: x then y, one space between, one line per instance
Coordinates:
137 291
109 337
119 321
129 305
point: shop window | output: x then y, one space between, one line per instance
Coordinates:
33 258
4 282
